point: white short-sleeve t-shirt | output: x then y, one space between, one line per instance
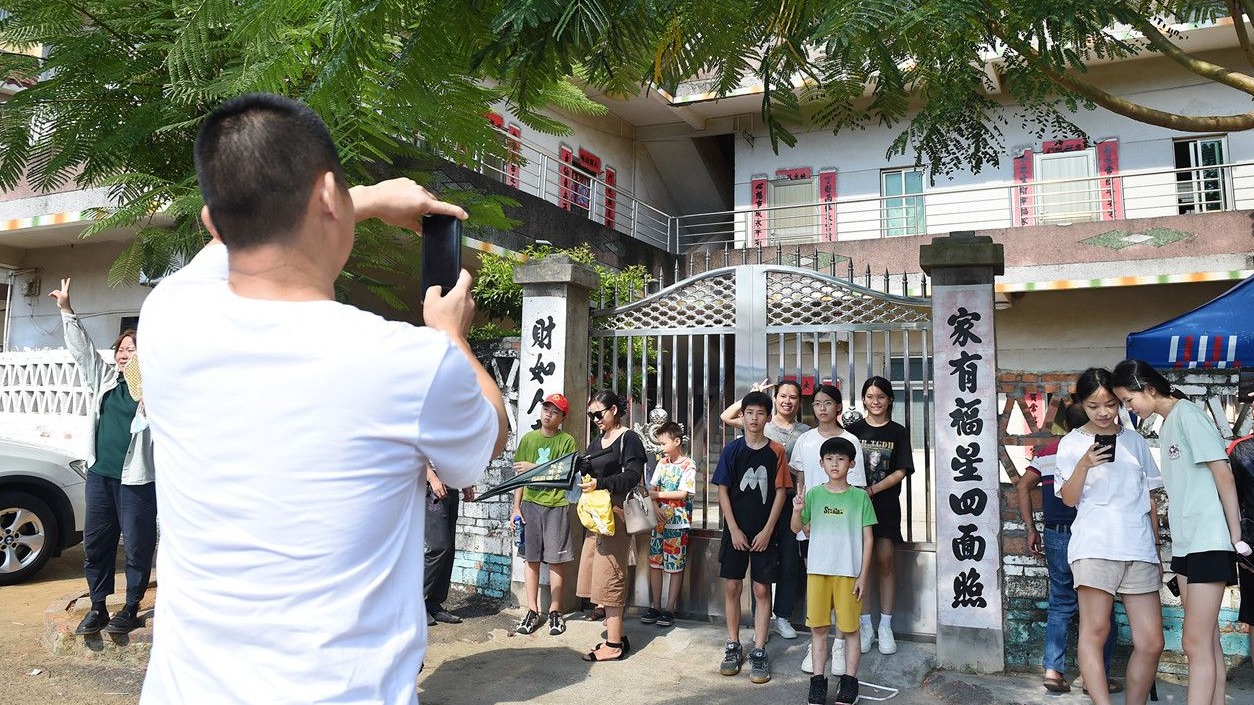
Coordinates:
291 444
1112 520
805 459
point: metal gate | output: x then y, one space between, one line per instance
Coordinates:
692 348
696 346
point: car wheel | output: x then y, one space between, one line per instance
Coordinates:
28 536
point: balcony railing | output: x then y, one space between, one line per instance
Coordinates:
533 170
1134 194
1128 195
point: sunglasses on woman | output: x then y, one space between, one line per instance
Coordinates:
596 415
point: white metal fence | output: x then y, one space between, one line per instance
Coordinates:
1135 194
1128 195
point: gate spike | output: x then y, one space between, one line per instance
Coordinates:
868 276
779 253
886 280
850 277
905 285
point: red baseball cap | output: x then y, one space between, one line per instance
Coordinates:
559 401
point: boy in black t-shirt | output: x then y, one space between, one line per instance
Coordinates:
752 478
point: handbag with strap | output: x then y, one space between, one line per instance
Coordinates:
639 511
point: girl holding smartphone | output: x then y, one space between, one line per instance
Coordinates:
1113 550
1203 514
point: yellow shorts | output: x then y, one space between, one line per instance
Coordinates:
825 593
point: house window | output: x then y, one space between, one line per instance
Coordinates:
580 191
1203 186
1067 188
902 193
793 214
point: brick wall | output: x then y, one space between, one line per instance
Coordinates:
1024 578
484 536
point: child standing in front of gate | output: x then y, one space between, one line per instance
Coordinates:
838 518
672 485
753 481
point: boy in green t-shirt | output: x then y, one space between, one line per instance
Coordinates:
545 514
838 518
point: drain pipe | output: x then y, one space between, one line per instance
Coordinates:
8 302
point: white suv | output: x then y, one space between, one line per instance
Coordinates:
41 507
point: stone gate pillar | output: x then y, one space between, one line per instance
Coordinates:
553 357
969 625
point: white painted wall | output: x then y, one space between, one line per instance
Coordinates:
613 140
1048 331
859 156
36 323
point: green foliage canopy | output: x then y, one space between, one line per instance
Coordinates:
124 84
940 69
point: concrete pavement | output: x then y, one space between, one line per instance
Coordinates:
482 661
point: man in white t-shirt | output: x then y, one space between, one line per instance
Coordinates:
292 431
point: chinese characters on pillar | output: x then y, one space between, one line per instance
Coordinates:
968 515
542 365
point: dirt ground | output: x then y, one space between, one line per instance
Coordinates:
30 673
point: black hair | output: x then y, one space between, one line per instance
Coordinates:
1138 375
759 399
838 445
672 429
881 384
258 158
1091 380
832 391
1074 416
607 399
788 382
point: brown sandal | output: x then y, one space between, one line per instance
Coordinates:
596 615
1056 685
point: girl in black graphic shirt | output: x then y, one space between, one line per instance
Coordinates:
888 457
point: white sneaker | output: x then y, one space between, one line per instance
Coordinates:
888 644
838 656
867 633
784 628
807 663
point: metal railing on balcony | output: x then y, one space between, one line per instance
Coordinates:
543 174
1133 194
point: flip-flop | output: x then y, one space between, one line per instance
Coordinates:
1056 685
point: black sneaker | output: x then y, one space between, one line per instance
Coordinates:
123 622
557 623
818 691
848 692
733 656
650 616
529 623
759 666
666 619
92 623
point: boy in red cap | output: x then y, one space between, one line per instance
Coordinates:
546 516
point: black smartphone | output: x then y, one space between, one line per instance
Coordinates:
441 253
1107 441
1173 586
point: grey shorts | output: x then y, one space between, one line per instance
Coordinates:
1117 577
546 534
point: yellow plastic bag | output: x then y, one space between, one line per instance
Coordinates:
596 512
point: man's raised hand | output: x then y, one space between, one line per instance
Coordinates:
400 202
